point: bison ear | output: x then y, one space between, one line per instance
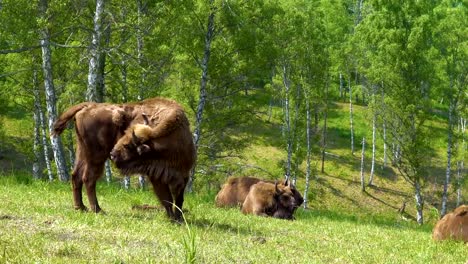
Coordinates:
143 148
277 191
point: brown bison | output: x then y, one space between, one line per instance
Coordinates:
268 199
99 126
453 225
234 191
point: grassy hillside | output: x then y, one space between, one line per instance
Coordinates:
342 224
38 224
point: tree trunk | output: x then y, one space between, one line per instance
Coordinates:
45 145
38 163
203 84
341 86
324 132
71 149
384 132
443 210
287 122
139 37
95 50
459 181
419 203
307 180
57 147
351 115
371 177
363 186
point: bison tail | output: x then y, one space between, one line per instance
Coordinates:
61 123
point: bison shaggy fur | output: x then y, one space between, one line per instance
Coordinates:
100 126
453 225
268 199
235 190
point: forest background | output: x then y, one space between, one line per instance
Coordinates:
335 95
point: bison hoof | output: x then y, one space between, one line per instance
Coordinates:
81 208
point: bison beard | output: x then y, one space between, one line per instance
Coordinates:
100 126
234 191
453 225
268 199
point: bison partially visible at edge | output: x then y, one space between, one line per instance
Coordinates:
268 199
99 126
453 225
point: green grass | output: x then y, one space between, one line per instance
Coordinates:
39 225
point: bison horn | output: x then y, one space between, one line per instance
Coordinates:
145 119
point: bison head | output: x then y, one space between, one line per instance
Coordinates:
134 147
297 195
285 202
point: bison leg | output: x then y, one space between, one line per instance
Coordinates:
91 175
77 185
164 195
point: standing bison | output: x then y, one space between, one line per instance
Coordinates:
234 191
150 137
453 225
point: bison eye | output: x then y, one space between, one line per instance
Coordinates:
127 146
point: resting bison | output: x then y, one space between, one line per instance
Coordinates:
453 225
99 126
268 199
235 190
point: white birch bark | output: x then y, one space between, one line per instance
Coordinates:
324 132
56 142
363 186
95 49
38 154
139 37
371 177
203 84
287 122
45 145
351 114
443 210
341 86
71 149
308 158
419 203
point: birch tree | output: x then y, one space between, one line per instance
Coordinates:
210 33
57 147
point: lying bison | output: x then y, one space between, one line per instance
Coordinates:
234 191
268 199
453 225
150 137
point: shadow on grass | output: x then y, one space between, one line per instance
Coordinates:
381 221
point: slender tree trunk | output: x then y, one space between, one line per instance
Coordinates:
419 203
351 114
45 145
384 132
71 149
126 182
309 154
57 147
341 87
459 172
363 186
95 50
287 122
443 210
203 84
324 132
371 177
140 43
38 163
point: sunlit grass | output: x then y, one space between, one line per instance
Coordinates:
38 224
